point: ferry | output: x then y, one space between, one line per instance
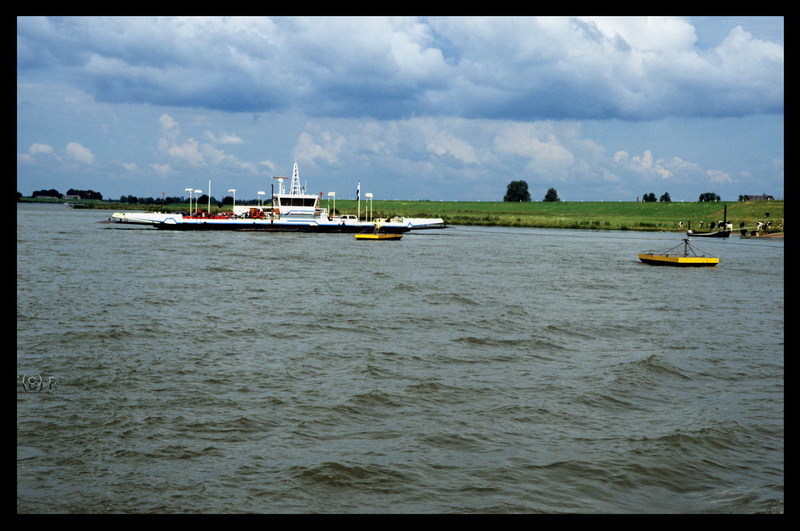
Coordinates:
680 258
292 211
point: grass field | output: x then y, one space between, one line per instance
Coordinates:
637 216
579 215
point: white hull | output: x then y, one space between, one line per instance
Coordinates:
141 218
313 223
295 225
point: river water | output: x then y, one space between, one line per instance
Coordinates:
463 370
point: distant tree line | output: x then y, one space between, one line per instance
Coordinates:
651 198
82 194
85 194
709 196
134 200
665 198
202 200
47 193
517 191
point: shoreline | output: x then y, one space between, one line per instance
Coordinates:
772 235
639 217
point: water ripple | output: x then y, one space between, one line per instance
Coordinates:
255 373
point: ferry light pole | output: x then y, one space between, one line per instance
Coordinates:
260 193
190 199
368 195
234 198
196 197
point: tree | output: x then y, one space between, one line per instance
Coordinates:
517 191
551 195
665 198
85 194
47 193
709 196
649 198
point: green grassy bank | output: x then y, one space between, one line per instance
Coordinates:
579 215
564 214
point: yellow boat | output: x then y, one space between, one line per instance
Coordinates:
679 258
378 236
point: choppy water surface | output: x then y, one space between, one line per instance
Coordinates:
455 371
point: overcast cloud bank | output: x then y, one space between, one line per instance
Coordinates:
465 103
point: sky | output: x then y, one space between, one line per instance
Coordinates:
412 108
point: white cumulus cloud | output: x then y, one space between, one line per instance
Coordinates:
79 153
